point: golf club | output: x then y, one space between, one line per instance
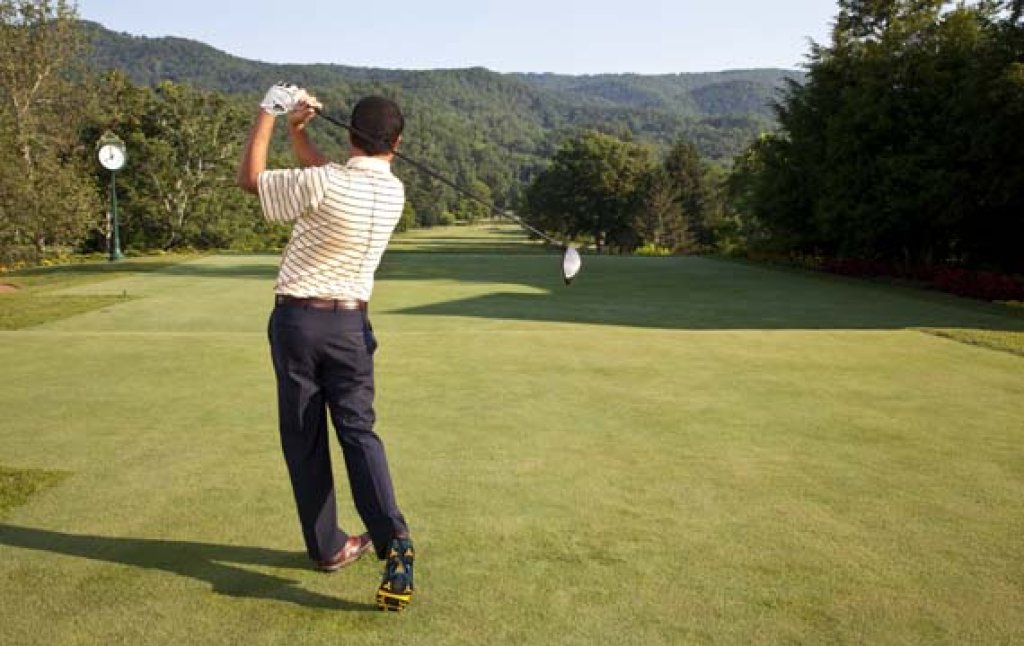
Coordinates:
571 261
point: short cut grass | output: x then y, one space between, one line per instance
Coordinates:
18 485
678 450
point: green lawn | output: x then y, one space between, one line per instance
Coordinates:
29 298
674 450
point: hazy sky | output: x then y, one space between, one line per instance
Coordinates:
570 36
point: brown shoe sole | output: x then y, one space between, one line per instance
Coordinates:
341 560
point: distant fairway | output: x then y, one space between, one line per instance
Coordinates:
674 450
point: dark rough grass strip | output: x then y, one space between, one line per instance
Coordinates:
20 311
18 485
88 271
1001 340
32 302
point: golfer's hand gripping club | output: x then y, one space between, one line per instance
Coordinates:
282 98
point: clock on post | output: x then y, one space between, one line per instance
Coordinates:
111 152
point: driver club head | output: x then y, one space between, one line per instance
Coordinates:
571 264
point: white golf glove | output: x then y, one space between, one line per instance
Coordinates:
282 99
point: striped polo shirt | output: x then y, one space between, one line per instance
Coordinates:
343 218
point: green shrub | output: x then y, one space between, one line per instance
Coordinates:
653 250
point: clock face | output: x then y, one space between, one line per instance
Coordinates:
111 156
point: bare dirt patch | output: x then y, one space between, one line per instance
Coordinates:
7 289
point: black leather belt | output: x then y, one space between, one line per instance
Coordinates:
321 303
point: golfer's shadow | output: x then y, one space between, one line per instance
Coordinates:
215 564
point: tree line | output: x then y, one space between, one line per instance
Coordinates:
619 196
906 144
902 153
487 132
490 133
902 146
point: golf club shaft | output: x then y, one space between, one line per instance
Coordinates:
430 172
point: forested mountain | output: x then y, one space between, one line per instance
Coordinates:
520 113
732 92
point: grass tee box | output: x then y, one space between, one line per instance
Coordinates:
27 297
674 450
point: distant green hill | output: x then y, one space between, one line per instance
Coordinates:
478 124
733 92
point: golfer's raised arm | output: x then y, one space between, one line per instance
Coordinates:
254 156
300 108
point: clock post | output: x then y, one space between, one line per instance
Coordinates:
112 155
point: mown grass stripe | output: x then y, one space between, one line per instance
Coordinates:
17 486
18 312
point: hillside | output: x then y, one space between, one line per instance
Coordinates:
735 92
707 94
482 125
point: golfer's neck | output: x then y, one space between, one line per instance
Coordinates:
358 152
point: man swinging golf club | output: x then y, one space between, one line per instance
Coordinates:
321 340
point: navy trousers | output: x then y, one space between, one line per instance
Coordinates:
323 360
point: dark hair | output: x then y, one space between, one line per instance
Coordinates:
379 122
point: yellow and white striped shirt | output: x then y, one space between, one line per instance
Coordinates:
344 217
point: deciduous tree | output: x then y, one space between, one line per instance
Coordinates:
904 144
591 188
48 195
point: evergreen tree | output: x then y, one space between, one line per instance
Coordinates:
903 146
658 218
688 175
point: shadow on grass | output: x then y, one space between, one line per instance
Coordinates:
132 266
202 561
690 293
261 271
470 247
682 293
679 293
42 279
17 313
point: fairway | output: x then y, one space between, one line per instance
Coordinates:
674 450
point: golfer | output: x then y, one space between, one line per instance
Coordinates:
321 341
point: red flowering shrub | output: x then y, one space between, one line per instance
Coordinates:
984 285
987 285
